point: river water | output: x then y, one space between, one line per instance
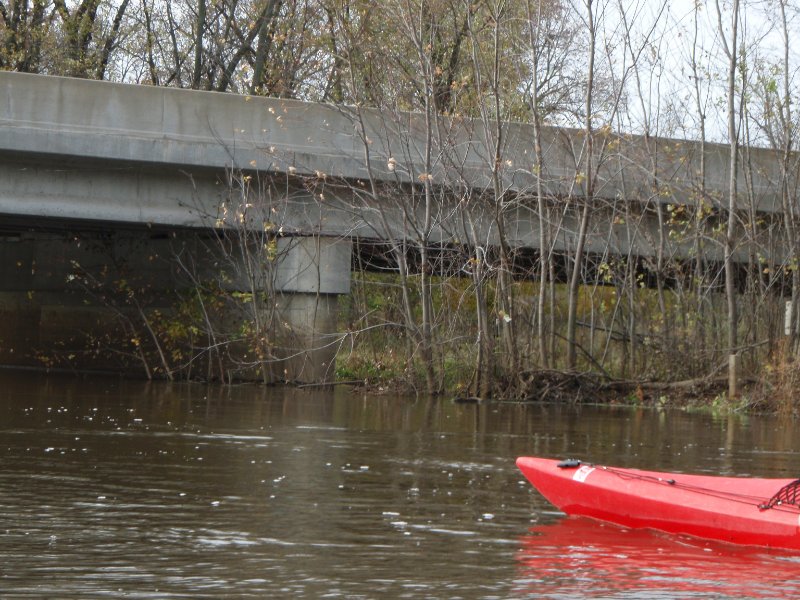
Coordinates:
136 490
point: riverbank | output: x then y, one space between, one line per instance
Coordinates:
773 392
664 348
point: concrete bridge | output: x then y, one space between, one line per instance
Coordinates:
145 172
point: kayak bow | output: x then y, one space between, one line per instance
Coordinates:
738 510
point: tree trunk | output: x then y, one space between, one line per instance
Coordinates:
730 240
588 178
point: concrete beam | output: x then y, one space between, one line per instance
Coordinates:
82 120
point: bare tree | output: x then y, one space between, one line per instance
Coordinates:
730 43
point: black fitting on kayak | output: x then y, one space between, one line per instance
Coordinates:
788 494
570 463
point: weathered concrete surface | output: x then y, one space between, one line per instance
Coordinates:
145 130
90 151
314 265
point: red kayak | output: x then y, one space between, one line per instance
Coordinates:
739 510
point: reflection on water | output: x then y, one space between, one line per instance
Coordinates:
112 488
576 557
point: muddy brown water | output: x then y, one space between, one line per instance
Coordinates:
128 489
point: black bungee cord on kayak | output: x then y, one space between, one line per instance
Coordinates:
788 495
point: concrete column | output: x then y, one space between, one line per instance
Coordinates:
312 272
289 287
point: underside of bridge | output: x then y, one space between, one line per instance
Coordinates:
161 302
165 301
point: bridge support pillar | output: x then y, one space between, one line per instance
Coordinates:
312 273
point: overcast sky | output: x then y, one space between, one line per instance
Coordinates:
667 102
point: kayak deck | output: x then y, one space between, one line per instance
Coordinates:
729 509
